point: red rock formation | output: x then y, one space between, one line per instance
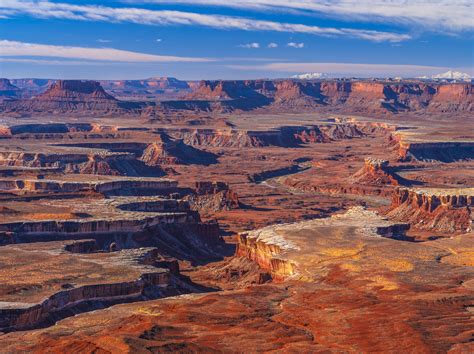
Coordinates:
435 151
361 96
287 136
441 210
376 172
213 196
71 96
224 96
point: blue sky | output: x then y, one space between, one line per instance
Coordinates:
242 39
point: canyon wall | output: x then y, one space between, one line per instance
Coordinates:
359 96
442 210
371 97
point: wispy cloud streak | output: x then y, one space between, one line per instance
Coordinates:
46 9
455 15
346 69
22 49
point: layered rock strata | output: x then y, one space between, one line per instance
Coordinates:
19 310
354 95
290 136
213 196
436 151
285 249
104 187
71 96
376 172
442 210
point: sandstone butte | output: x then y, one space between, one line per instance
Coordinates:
368 97
236 216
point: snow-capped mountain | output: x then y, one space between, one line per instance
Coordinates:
310 76
449 75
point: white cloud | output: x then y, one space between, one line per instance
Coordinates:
103 40
159 40
295 45
347 69
272 45
22 49
434 14
253 45
54 62
46 9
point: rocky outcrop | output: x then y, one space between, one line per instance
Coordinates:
376 172
435 151
286 136
266 253
21 316
368 97
213 196
443 210
358 96
168 151
71 96
98 163
160 186
37 131
8 90
291 250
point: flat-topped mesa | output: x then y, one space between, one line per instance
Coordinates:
125 275
285 136
444 210
75 89
292 250
376 172
213 196
362 96
168 151
131 185
435 151
71 96
93 162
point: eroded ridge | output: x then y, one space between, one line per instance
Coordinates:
89 281
284 249
441 209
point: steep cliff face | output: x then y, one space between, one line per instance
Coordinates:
168 151
91 295
376 172
213 196
363 96
287 136
453 98
435 151
73 96
8 90
441 210
105 163
266 255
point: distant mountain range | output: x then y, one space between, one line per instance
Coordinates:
311 76
146 88
351 96
448 75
